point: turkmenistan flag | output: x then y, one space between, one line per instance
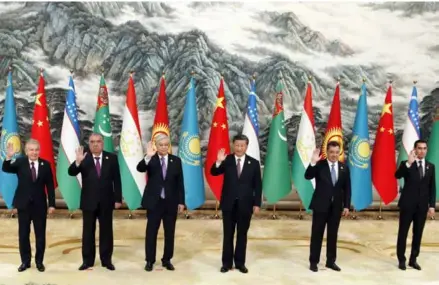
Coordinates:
131 152
102 118
433 149
305 145
276 182
69 186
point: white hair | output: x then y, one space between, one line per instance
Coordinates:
32 142
158 138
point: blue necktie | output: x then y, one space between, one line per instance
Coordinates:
333 175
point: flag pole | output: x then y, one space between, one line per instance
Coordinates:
274 216
380 217
216 216
186 214
354 216
300 210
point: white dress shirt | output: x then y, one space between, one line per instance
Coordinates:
417 164
335 167
242 162
100 158
147 159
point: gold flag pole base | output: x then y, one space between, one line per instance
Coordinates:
216 216
130 215
380 216
274 216
354 216
300 211
186 215
71 215
12 215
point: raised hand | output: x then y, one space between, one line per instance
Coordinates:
315 156
150 151
412 157
10 151
221 155
80 155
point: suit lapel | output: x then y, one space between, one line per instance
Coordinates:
327 171
40 168
169 166
104 163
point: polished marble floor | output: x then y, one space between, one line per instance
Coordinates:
277 254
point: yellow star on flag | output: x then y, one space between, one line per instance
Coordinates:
386 109
219 102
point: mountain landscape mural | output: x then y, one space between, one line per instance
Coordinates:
271 40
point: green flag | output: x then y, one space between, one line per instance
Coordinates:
276 182
433 149
102 119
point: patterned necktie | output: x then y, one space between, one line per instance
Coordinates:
33 170
98 166
421 170
162 194
238 167
333 174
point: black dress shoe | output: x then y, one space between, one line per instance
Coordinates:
242 269
41 267
84 267
313 267
148 266
109 266
168 265
224 269
333 266
414 265
23 267
401 266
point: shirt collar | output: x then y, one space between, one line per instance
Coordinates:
100 156
242 157
35 162
330 163
165 156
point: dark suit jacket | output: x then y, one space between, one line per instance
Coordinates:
247 188
104 190
173 182
326 193
27 190
417 191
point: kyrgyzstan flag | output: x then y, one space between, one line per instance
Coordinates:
161 120
218 139
334 129
383 155
41 127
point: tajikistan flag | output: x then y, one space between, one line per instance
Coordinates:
411 133
69 186
131 152
305 145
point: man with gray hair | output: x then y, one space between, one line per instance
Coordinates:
163 198
34 177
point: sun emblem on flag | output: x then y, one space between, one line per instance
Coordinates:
10 138
334 134
190 150
360 152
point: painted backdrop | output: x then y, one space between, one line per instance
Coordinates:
378 42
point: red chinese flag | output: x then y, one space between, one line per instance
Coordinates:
41 127
218 139
334 129
161 120
383 161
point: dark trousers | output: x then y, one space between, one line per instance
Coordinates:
331 220
38 217
169 216
241 221
105 217
406 217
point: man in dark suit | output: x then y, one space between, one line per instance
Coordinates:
240 198
101 193
34 177
162 198
331 200
418 197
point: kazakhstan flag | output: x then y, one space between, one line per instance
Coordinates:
359 157
9 135
189 151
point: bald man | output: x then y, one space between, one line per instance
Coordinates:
163 198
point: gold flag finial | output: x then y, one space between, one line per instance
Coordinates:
254 76
71 71
222 75
10 67
364 79
192 73
390 81
131 72
102 70
309 77
414 82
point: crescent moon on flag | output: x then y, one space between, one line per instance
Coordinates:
104 133
281 136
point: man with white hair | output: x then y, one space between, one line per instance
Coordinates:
163 198
34 177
